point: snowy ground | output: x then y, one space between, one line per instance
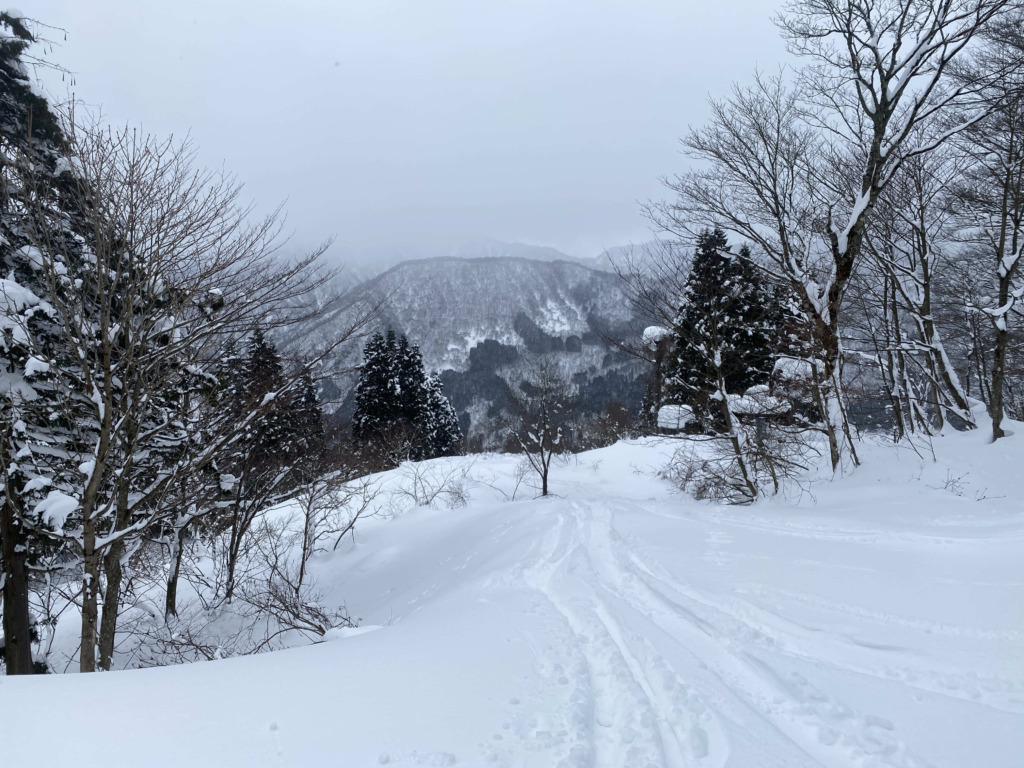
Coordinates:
874 621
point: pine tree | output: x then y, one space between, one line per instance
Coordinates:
411 394
307 417
374 392
260 470
730 324
400 413
440 422
33 436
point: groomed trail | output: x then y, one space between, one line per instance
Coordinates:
877 620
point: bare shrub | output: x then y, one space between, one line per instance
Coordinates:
762 453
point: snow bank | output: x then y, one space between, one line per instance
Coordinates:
793 369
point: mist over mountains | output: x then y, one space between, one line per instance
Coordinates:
479 320
366 263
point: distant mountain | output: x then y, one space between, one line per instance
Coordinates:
373 261
450 306
489 248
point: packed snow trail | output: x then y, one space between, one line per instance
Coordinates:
874 622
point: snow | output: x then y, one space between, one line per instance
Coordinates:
877 620
757 403
654 334
674 417
36 484
35 366
793 369
55 509
15 297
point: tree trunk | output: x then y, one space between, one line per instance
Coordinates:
827 401
111 601
114 570
90 591
177 548
234 546
995 407
749 489
17 624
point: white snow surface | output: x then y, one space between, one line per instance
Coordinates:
654 334
793 368
55 509
877 620
674 417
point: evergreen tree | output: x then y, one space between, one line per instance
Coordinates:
411 389
730 325
34 440
265 461
440 423
374 392
400 413
307 418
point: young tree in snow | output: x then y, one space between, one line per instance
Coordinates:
539 413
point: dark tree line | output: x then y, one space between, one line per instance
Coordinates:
401 413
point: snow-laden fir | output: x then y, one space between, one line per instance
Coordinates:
874 620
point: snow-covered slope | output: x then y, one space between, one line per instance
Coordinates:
874 621
449 305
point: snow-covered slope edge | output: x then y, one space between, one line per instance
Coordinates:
876 620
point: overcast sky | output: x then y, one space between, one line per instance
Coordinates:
404 126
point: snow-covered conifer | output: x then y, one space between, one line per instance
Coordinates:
730 325
400 413
440 422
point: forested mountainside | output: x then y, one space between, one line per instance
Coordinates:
449 305
520 307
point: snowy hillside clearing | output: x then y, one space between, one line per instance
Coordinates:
874 621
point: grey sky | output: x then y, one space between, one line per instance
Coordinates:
412 125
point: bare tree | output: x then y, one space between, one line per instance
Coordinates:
538 415
173 270
909 242
990 203
797 173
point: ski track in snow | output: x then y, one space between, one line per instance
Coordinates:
635 706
